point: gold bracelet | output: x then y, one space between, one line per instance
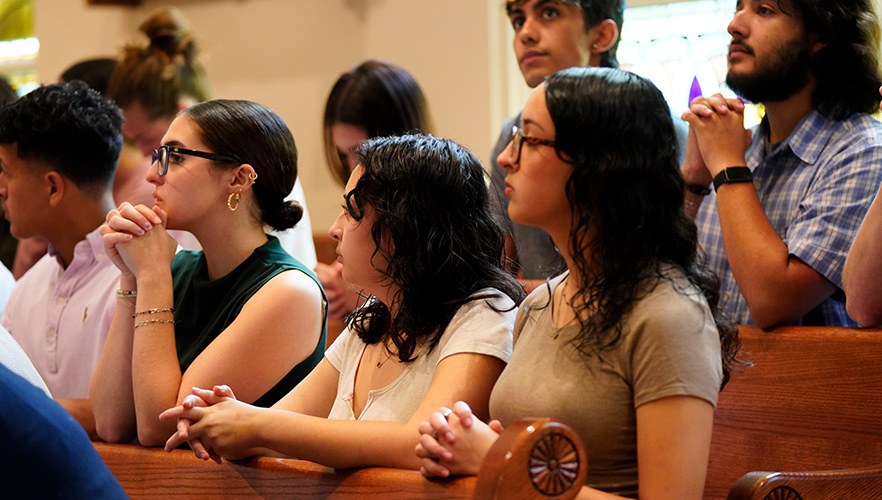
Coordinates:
144 323
154 311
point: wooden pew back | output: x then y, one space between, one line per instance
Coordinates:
811 401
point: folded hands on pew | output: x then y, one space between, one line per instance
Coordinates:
455 442
211 421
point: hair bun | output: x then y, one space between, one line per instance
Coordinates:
168 30
287 216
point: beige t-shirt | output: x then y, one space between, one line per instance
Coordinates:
475 328
670 346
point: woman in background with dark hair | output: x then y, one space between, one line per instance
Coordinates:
416 233
373 99
241 311
625 346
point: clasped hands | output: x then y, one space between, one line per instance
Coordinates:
455 442
213 422
717 138
134 237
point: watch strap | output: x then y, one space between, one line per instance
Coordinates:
732 174
698 189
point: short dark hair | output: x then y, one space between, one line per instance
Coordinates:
256 135
595 11
71 128
382 98
626 193
431 206
846 68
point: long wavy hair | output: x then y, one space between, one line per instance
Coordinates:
434 227
846 67
626 193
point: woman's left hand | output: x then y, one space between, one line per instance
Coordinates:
223 429
199 397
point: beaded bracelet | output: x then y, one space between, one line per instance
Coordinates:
125 295
144 323
154 311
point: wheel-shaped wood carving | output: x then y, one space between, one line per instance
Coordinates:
783 493
554 464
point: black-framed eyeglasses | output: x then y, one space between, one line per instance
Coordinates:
161 155
518 138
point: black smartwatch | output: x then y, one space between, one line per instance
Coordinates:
732 174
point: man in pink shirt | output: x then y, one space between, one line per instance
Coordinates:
59 147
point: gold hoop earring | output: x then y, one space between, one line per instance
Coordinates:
253 177
233 196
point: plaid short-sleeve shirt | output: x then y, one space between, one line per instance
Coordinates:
815 188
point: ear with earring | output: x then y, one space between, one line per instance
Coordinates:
233 197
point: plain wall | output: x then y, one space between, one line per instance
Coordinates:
288 53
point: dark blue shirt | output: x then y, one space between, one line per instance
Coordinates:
44 452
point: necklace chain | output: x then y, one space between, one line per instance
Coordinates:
381 362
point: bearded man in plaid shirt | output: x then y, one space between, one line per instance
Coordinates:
789 198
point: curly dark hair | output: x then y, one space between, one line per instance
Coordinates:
254 134
70 127
846 67
430 202
626 193
594 11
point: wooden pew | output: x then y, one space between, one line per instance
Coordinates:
535 459
811 402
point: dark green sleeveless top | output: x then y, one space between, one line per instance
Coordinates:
204 308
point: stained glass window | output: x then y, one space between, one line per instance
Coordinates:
682 47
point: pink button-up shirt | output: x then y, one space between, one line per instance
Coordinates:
60 317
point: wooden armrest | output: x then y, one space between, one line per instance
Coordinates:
851 484
533 459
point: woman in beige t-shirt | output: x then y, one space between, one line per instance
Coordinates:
624 346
